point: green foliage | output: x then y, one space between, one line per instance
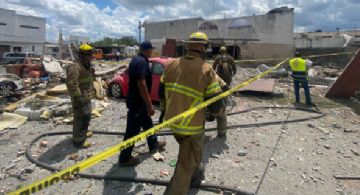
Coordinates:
108 41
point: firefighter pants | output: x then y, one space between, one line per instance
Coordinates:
188 163
82 117
221 121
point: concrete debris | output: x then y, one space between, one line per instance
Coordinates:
11 166
10 120
355 152
20 153
30 169
327 146
350 130
44 143
281 73
242 152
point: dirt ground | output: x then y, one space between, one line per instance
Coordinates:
307 156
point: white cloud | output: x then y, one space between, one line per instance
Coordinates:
82 18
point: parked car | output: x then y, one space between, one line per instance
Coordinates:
10 84
19 54
119 84
11 60
27 68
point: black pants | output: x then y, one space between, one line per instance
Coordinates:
137 118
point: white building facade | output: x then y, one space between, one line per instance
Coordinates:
251 37
20 33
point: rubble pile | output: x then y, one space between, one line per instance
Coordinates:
46 98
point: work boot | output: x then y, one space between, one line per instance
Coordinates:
221 135
84 144
311 105
159 147
132 162
89 134
198 176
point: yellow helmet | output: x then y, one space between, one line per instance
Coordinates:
85 48
198 37
222 49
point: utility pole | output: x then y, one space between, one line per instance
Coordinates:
60 42
139 32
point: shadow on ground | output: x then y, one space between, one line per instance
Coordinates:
58 152
117 187
352 103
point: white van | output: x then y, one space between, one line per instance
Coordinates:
19 55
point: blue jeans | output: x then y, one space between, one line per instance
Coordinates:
305 85
137 118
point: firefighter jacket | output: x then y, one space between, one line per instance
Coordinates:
188 81
224 66
79 81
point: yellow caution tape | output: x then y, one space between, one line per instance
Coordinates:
309 56
81 166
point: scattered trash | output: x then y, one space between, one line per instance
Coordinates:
158 157
164 173
172 163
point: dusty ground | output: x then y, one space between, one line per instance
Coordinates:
308 155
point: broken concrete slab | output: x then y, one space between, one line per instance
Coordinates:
261 85
60 89
275 74
349 81
11 120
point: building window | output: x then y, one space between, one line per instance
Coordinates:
17 49
2 24
208 26
30 27
240 23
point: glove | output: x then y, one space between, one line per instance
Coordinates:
77 103
208 116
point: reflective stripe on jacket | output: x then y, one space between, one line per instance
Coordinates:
188 80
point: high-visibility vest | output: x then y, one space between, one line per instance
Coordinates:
188 81
299 68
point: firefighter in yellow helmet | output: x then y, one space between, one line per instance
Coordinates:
188 81
79 82
224 66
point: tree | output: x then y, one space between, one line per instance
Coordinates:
108 41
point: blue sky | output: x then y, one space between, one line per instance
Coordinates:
116 18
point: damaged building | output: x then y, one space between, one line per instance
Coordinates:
250 37
20 33
338 39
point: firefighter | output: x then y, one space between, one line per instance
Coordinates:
79 82
299 68
224 66
188 81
